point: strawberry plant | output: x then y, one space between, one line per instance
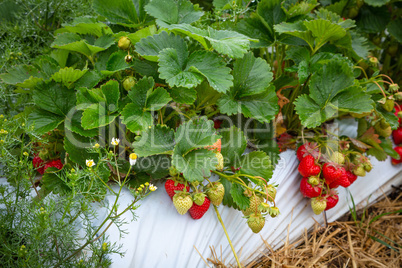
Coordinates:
177 92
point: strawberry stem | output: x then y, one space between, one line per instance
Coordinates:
227 236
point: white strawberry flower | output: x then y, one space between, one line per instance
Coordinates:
152 187
133 159
90 163
115 141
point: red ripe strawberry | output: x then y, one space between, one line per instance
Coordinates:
398 149
217 123
39 164
216 146
397 135
343 180
333 185
54 163
307 149
309 190
196 211
332 200
351 176
332 172
308 167
171 186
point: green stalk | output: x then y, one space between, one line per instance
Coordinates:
227 236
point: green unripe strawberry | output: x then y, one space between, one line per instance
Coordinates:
313 180
219 156
215 193
128 58
359 3
182 202
124 43
353 12
318 205
273 212
359 171
128 83
264 207
398 97
393 88
256 222
272 193
338 158
368 166
255 202
388 105
199 198
383 129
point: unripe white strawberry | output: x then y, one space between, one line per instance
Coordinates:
318 205
182 202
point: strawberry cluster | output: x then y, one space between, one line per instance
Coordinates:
42 165
397 136
198 201
323 173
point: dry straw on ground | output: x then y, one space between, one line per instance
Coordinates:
374 239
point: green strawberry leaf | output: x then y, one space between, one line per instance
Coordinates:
86 25
43 121
117 63
155 166
169 12
294 8
142 33
68 76
233 144
298 54
242 201
54 98
25 76
256 163
77 146
137 115
157 99
128 13
183 95
74 124
373 19
271 13
89 80
153 141
135 118
196 164
376 3
104 107
386 145
331 90
195 134
150 47
230 43
394 28
251 94
228 198
73 42
254 28
182 71
97 115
